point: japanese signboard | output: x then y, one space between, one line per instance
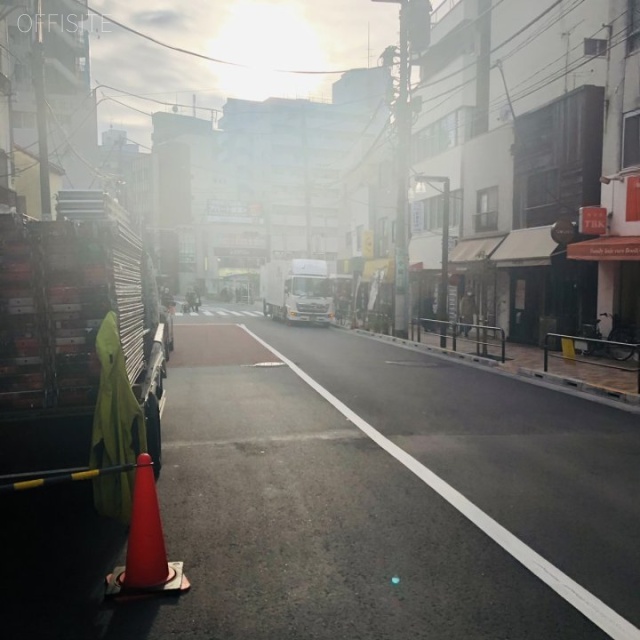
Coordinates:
593 221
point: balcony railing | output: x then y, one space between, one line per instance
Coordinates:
442 9
486 221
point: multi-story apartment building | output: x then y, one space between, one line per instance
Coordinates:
69 101
520 144
616 252
8 200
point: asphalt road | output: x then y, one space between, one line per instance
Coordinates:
293 523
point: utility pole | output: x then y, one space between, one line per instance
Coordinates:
443 291
41 114
414 18
307 185
443 288
403 124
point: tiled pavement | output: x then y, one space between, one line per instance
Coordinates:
596 375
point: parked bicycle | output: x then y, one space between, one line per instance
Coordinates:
620 336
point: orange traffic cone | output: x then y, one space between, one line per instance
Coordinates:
147 569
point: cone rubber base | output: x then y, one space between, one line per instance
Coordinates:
176 583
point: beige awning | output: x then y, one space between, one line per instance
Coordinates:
526 248
475 249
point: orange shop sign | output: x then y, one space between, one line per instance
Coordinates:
593 221
611 248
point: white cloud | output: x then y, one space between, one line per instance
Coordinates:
333 34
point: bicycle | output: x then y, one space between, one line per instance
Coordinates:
620 335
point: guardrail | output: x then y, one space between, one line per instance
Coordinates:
451 330
601 349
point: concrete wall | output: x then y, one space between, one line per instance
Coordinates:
536 63
487 162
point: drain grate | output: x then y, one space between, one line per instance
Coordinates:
414 363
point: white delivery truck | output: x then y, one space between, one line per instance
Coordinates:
297 291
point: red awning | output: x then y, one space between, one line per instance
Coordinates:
611 248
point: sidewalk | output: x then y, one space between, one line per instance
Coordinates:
591 374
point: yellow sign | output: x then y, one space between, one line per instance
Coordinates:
367 244
568 349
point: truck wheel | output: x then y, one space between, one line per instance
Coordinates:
154 435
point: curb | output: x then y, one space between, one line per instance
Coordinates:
562 383
454 355
581 385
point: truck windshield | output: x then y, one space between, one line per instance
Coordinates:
316 287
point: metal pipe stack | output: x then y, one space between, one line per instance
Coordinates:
58 280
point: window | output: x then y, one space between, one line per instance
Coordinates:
359 230
595 47
633 40
631 140
443 134
486 217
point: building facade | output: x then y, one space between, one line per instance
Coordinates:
69 104
521 144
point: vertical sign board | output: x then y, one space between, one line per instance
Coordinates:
367 244
593 221
633 199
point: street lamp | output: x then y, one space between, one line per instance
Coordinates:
443 314
403 122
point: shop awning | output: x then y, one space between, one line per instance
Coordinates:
611 248
372 266
426 249
526 248
474 249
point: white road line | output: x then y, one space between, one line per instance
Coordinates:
178 314
194 313
251 313
221 313
593 608
207 313
235 313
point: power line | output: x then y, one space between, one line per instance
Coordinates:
509 39
202 56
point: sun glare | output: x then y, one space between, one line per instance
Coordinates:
267 36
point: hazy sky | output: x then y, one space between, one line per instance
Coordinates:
263 34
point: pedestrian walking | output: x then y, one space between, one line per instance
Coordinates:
467 312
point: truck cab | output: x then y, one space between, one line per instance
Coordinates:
298 291
309 299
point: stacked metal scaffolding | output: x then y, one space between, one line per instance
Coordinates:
126 275
26 367
58 280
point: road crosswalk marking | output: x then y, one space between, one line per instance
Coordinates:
220 312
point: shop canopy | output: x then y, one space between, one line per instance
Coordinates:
611 248
526 248
474 250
